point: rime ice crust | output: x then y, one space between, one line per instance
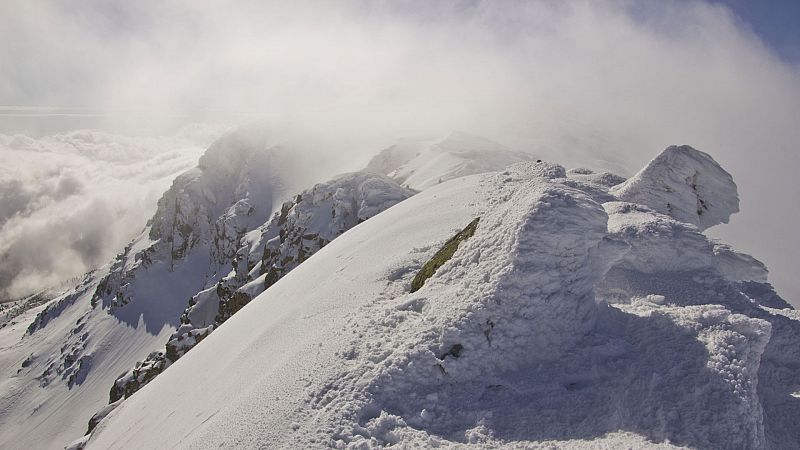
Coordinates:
571 318
686 184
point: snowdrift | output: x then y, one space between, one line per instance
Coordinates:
574 313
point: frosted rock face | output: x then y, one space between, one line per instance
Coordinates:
571 317
192 239
301 227
686 184
315 217
304 225
230 192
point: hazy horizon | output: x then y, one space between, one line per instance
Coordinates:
579 83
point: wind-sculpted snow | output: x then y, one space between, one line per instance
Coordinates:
686 184
652 238
569 318
577 310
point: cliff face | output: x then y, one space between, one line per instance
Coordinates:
202 217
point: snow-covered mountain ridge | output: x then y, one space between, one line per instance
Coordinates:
359 313
104 334
576 314
63 357
302 227
422 163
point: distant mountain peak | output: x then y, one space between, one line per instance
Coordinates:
420 164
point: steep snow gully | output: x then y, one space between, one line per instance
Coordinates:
581 311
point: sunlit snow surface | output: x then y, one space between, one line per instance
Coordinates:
569 319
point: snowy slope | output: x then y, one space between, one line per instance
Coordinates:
304 225
54 377
569 318
59 369
420 164
187 256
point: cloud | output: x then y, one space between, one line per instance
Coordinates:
70 202
582 82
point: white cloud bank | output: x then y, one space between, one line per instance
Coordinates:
598 81
70 202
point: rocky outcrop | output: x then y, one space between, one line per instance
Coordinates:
686 184
301 227
202 217
568 318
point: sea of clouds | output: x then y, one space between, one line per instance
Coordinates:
71 201
590 83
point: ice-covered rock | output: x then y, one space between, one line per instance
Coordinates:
686 184
302 227
315 217
299 229
192 239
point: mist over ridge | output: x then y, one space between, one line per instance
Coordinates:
604 84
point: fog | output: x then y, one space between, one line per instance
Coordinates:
71 202
599 84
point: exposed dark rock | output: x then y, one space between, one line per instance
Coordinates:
443 255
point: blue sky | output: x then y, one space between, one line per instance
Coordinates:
777 22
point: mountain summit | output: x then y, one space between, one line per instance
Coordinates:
528 307
455 293
420 164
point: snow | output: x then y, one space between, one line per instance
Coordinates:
420 164
61 370
70 202
565 321
42 405
303 226
585 311
684 183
